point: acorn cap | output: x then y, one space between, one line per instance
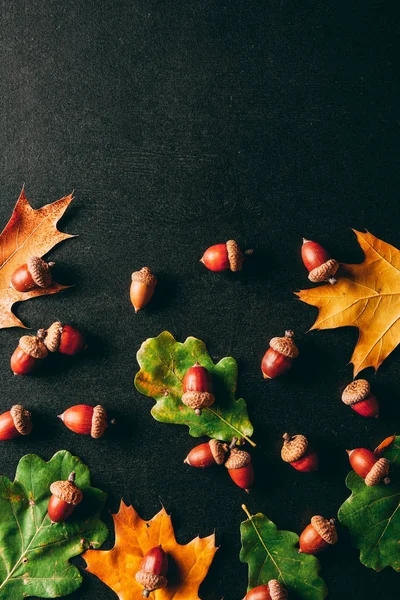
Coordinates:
22 419
33 346
235 256
52 336
218 451
324 271
325 528
238 459
356 391
145 276
151 581
67 490
378 472
285 345
198 400
277 592
40 271
99 422
294 447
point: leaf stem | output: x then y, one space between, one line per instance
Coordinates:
246 510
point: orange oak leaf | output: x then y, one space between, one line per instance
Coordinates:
366 296
188 564
29 232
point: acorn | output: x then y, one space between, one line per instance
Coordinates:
153 571
64 339
367 465
35 273
240 468
142 288
317 261
317 536
224 257
15 422
28 355
65 498
297 452
272 591
85 419
206 455
197 388
278 359
359 397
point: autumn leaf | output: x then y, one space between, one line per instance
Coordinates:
372 515
274 554
188 564
366 296
34 554
164 362
29 232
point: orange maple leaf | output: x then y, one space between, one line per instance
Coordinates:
366 296
29 232
133 538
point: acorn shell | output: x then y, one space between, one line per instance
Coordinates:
40 271
218 450
294 447
285 345
324 271
145 276
238 459
33 346
99 422
151 581
378 472
67 491
276 591
53 336
22 419
356 391
325 528
198 400
235 256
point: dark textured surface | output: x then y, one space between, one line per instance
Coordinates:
182 124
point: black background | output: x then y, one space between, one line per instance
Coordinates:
179 125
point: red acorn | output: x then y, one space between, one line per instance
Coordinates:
206 455
28 355
15 422
279 357
153 571
224 257
142 288
63 338
272 591
197 387
367 465
85 419
35 273
359 397
297 452
240 468
65 497
318 535
320 265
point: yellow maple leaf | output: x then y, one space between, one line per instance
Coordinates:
133 538
366 296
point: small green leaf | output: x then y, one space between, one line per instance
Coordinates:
274 554
34 554
163 363
372 514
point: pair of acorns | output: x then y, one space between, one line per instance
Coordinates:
32 349
81 418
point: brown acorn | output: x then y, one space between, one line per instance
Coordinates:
142 288
273 590
28 355
153 571
279 357
15 422
85 419
297 452
35 273
367 465
317 536
224 257
206 455
197 388
240 468
65 497
359 397
318 262
64 339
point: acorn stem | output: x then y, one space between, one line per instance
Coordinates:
332 280
233 443
71 477
145 593
249 252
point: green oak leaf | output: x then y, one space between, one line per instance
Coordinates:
274 554
372 514
34 554
163 363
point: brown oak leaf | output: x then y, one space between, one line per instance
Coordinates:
188 564
29 232
366 296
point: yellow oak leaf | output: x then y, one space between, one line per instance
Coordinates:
188 564
366 296
29 232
